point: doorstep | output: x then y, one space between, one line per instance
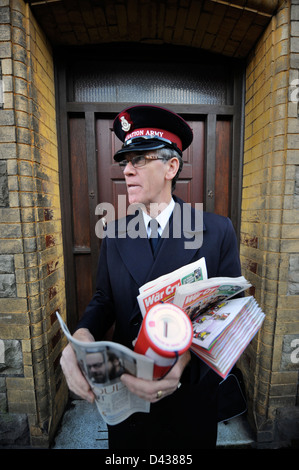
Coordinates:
83 428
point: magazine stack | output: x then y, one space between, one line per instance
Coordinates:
223 325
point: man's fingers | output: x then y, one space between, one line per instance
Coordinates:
148 389
73 375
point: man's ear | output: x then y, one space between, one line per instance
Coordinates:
173 167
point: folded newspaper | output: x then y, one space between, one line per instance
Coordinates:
102 363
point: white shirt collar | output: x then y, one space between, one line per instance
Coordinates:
162 218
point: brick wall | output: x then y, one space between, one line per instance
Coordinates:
269 227
31 254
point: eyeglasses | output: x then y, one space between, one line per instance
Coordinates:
139 160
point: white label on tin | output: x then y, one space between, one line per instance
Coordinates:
159 360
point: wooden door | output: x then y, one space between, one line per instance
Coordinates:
205 178
212 171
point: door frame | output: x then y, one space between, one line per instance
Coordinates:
209 113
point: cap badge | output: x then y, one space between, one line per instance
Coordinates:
125 124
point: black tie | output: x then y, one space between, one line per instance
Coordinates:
154 236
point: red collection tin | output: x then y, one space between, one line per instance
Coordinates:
166 333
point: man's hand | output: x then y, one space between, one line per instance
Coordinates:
148 389
74 377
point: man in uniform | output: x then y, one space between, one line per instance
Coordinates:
183 411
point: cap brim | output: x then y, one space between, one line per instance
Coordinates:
144 146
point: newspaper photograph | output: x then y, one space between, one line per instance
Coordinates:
102 363
163 289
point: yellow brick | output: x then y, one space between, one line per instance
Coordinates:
20 383
261 121
11 306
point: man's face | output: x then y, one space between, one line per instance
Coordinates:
96 367
98 370
150 183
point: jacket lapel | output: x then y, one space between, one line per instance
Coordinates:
134 247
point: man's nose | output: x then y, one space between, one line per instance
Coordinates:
129 169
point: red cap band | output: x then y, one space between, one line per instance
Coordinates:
152 132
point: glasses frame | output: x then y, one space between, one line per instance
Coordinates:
133 160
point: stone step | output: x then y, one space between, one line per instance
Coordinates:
235 433
83 428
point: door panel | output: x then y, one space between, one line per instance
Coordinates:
111 182
84 288
79 186
81 246
223 167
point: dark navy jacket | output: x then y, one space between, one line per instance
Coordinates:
188 417
126 263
